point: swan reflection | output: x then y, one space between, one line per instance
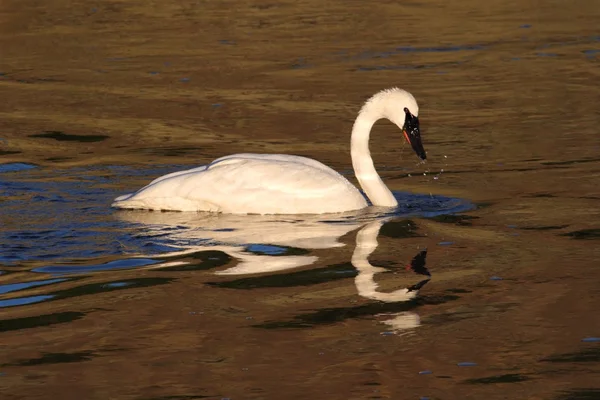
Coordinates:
266 244
366 243
260 244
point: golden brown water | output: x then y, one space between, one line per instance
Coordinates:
101 98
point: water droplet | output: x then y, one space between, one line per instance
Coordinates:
445 243
426 372
445 156
436 178
495 278
387 333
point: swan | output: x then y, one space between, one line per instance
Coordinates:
286 184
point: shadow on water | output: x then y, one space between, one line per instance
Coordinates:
579 394
65 137
53 358
457 219
544 227
8 152
591 355
506 378
39 321
400 229
584 234
182 397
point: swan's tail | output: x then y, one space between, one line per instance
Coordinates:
141 201
123 198
125 202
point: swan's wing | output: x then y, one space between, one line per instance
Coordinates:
277 157
174 174
276 184
248 184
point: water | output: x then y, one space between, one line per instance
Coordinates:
498 232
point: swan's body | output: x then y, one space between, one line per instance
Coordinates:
285 184
251 184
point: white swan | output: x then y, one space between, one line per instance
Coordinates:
286 184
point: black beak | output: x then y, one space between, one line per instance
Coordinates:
413 134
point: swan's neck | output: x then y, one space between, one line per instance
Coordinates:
377 192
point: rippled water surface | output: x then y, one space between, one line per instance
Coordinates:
483 284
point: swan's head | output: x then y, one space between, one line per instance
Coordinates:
400 107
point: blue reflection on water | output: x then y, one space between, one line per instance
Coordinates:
266 249
15 167
24 300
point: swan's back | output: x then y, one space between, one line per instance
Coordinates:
250 184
